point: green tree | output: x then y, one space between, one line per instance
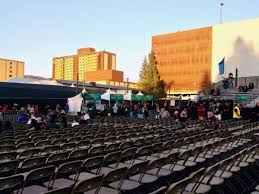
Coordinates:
149 78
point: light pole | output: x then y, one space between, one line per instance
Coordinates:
221 12
127 85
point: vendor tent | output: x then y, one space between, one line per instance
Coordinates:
107 95
127 96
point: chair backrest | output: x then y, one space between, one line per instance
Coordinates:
8 156
32 163
116 175
178 187
112 147
52 149
172 158
8 168
8 184
113 157
39 174
89 184
97 149
69 168
93 163
129 153
9 148
138 168
157 147
209 173
168 145
84 143
68 146
79 154
145 150
125 145
58 157
29 153
25 146
195 176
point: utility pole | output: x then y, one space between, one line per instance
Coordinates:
221 12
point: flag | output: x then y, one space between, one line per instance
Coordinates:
221 66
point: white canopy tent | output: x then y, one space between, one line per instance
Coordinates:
127 96
140 93
107 95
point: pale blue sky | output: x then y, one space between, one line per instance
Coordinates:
37 30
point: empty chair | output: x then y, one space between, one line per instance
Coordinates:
60 179
97 142
8 156
35 178
179 186
78 154
92 184
96 150
116 175
155 168
195 186
68 146
30 163
83 144
141 154
126 156
23 140
112 147
86 168
51 149
130 185
8 168
24 146
9 148
11 183
111 158
42 144
6 142
125 145
142 176
57 158
29 153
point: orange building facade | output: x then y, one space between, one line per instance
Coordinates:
90 66
184 59
86 60
11 69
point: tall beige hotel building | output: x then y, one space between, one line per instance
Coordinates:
11 69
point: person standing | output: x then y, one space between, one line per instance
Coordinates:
201 112
237 112
115 109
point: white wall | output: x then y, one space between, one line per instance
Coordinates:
238 42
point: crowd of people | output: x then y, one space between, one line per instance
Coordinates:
211 111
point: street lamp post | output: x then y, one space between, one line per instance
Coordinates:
221 12
127 85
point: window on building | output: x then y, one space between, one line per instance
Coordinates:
10 75
11 63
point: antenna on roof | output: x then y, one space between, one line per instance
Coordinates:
221 12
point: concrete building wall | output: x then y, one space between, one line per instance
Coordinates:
238 42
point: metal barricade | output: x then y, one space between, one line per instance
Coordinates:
9 116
